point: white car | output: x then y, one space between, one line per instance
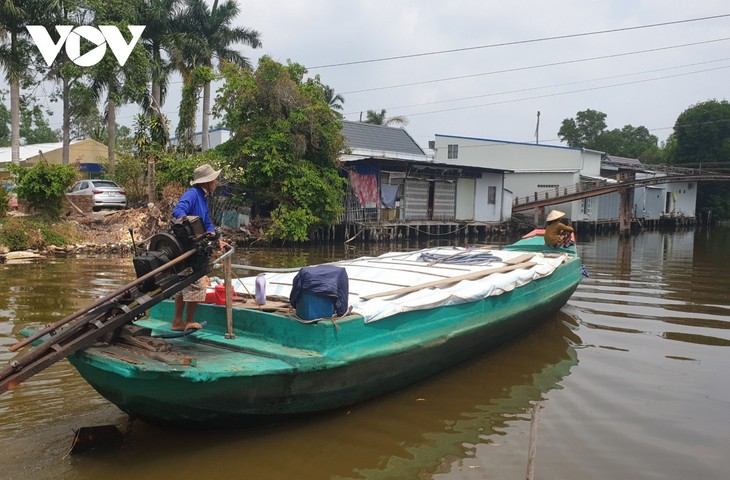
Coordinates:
106 194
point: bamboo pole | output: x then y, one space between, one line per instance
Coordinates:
447 281
229 296
533 441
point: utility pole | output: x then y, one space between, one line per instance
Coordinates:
537 128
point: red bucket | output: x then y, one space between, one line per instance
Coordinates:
220 294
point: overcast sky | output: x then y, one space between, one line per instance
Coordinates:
496 91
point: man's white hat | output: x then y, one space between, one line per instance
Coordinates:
204 174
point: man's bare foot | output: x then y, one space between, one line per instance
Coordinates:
187 326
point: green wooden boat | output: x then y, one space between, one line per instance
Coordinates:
412 315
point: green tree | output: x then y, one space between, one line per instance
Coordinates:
150 137
285 146
702 135
160 18
380 118
209 35
584 129
4 125
15 54
34 127
120 84
193 80
629 141
83 112
43 186
588 130
62 71
334 100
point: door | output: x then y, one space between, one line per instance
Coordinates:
465 191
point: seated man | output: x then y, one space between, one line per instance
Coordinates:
556 233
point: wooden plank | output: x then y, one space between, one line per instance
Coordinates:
525 257
408 263
459 278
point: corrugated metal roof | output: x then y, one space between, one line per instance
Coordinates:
366 136
28 151
623 160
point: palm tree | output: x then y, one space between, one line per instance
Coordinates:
121 84
14 60
159 17
380 119
61 13
209 30
334 100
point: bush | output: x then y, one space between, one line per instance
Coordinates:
14 235
4 201
44 185
22 234
131 173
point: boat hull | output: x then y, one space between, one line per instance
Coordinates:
312 367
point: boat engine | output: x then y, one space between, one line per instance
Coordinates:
187 233
172 262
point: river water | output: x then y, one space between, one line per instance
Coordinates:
631 376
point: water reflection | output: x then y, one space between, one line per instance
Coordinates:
398 436
629 372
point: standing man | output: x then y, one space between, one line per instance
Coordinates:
195 202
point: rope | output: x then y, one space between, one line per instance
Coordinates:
266 269
293 315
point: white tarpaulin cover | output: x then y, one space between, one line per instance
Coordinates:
393 271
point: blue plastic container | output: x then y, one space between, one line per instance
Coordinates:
311 306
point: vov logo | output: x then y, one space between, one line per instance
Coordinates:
71 37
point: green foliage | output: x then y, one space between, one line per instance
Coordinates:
629 141
14 235
178 169
583 131
4 124
192 84
22 234
85 118
130 173
588 130
379 118
4 201
43 185
703 133
285 148
34 127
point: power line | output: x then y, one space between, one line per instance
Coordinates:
559 93
532 67
507 92
520 42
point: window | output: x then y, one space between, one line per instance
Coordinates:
492 195
585 206
453 151
547 186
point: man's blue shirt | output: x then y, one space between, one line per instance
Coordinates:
194 202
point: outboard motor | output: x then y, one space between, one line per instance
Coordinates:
187 233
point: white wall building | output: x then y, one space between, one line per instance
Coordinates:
215 137
532 167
